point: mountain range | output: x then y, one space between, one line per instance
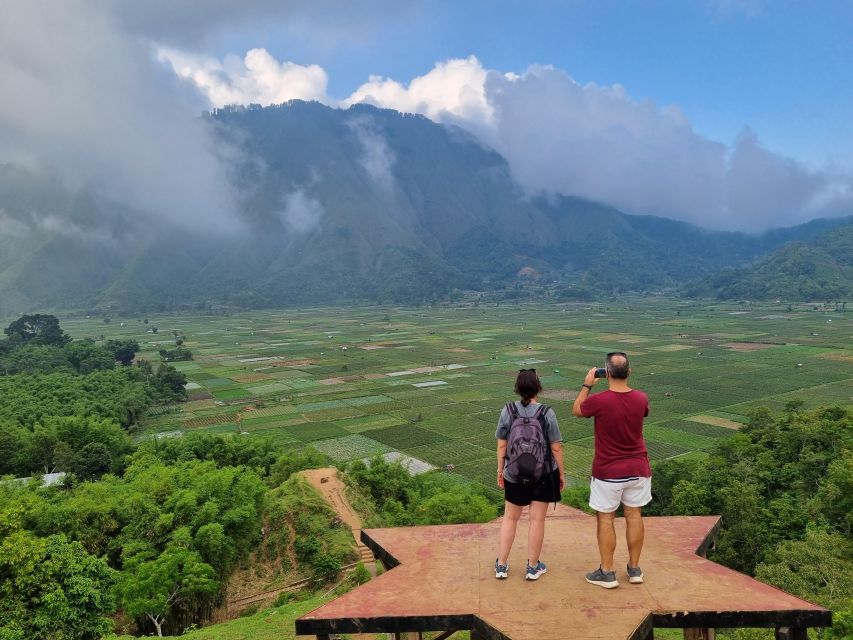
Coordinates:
366 204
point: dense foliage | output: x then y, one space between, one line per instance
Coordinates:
64 404
121 395
158 541
83 445
430 498
818 270
784 487
297 517
44 580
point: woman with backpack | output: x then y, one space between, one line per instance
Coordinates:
530 470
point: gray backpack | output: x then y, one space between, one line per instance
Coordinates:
527 448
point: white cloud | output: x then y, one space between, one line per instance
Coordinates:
453 89
92 106
12 227
86 99
378 159
301 213
62 227
256 78
600 143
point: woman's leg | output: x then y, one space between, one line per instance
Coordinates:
512 512
536 532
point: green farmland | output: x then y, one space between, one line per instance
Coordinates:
429 382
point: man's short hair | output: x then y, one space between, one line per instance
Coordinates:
620 368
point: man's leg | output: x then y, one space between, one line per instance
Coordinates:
606 539
512 512
536 532
604 498
634 533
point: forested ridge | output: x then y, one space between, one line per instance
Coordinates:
818 269
314 225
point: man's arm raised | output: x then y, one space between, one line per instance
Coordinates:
583 394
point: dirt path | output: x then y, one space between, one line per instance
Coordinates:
327 482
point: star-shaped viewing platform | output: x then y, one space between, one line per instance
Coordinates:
443 579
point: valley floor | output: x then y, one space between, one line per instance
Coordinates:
428 383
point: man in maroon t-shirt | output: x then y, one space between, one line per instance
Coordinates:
620 469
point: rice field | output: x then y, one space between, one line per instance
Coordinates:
428 383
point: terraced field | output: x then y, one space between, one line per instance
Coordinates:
430 382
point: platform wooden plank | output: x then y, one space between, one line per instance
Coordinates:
443 578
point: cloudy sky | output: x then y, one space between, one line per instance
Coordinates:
732 114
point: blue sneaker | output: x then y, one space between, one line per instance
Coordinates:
533 573
501 570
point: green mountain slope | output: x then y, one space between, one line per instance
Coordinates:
820 269
343 205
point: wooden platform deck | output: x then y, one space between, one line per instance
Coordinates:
443 579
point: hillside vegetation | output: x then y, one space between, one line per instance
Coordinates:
820 269
338 205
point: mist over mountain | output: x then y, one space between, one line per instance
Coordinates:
362 204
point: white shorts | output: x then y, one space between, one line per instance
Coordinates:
606 495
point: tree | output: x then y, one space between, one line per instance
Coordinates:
153 585
86 356
293 461
834 499
50 588
688 498
123 351
170 382
177 354
456 508
32 358
87 447
325 567
92 461
14 445
818 568
37 329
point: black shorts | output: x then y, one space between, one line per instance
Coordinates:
548 490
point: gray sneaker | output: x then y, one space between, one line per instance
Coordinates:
606 579
635 575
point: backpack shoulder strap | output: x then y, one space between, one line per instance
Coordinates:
542 417
512 409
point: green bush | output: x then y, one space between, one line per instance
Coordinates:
325 566
307 548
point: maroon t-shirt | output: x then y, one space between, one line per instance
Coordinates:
620 451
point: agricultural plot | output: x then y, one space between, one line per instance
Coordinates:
341 380
351 447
